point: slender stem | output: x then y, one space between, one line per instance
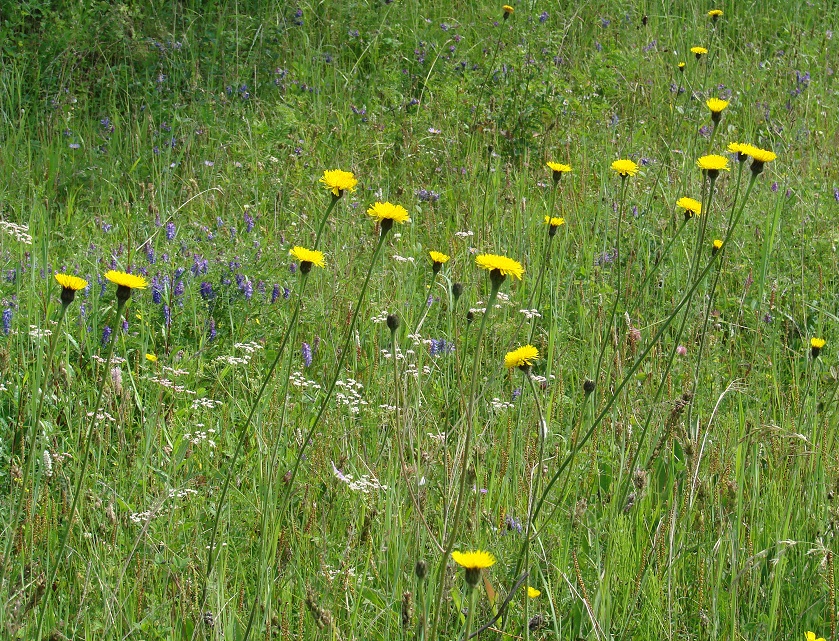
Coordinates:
241 441
341 357
543 433
77 490
458 510
328 211
470 615
618 269
33 430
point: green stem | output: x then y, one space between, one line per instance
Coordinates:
77 490
323 220
464 462
470 615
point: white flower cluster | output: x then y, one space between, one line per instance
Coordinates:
102 415
115 360
148 515
530 314
464 234
379 318
363 484
199 437
250 348
174 372
36 332
206 403
298 380
402 259
499 405
20 232
350 397
165 382
234 360
440 437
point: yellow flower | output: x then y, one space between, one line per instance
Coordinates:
523 356
438 257
625 168
477 560
306 256
717 245
818 343
338 181
715 13
532 592
507 10
681 66
713 163
698 51
151 357
716 105
69 286
811 636
739 148
388 211
760 155
71 282
558 169
505 266
121 279
692 207
554 221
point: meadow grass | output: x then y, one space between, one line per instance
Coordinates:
263 455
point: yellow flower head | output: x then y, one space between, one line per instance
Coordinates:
811 636
715 13
698 51
507 10
151 358
717 245
625 168
523 356
69 286
716 105
692 207
338 181
681 66
438 257
71 282
713 162
760 155
306 256
389 211
554 221
121 279
558 169
818 343
477 560
532 592
505 266
739 148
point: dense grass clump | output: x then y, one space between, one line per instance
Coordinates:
378 320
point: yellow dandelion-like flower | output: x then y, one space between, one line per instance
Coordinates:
477 560
713 163
717 245
523 356
507 10
125 283
71 282
439 257
715 13
716 105
500 264
554 221
740 149
811 636
816 345
692 207
151 358
698 51
388 211
338 181
558 169
69 286
625 168
533 592
306 256
681 66
760 155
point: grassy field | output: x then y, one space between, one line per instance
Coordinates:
248 449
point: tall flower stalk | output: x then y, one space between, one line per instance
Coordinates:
125 284
499 267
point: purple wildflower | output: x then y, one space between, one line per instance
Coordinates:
167 315
212 329
7 320
106 335
170 231
306 352
206 291
275 294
